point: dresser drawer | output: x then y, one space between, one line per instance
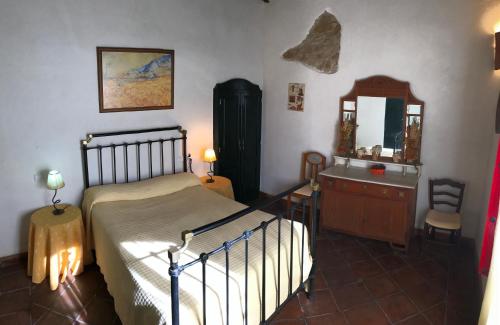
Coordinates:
350 186
340 185
327 183
386 192
374 190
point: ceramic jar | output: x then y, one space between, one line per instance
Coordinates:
396 157
376 151
361 152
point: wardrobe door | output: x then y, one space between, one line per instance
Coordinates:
227 138
237 125
250 113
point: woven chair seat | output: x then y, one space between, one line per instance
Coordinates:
444 220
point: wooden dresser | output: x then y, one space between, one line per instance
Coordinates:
355 202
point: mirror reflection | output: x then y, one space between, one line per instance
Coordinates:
349 106
380 123
413 109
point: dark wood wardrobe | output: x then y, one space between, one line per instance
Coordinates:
237 126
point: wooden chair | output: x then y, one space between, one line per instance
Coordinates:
441 220
312 163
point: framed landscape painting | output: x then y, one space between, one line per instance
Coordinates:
135 79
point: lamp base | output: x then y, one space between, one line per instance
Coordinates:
57 211
210 174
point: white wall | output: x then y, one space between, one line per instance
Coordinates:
48 84
441 47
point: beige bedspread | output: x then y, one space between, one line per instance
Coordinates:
132 237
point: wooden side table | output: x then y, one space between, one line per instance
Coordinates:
56 244
222 185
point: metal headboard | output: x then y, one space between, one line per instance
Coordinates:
186 158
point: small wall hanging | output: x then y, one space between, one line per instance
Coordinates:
296 96
135 79
320 50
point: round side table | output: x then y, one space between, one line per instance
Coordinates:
56 244
221 185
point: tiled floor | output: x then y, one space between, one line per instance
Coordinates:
359 282
81 300
362 282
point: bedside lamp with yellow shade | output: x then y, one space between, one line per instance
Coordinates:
55 182
210 157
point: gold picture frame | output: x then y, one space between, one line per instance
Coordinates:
135 79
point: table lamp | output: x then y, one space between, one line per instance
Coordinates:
55 182
209 157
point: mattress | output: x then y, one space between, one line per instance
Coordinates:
131 238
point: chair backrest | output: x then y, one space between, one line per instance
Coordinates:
448 192
312 163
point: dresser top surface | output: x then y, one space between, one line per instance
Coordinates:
363 175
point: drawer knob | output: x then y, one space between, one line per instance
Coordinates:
384 191
344 185
364 187
401 194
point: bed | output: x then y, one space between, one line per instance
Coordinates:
174 252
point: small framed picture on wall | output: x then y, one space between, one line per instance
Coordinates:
296 96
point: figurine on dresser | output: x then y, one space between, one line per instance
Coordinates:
412 141
346 143
396 156
361 152
376 151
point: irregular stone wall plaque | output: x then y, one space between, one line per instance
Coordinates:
321 48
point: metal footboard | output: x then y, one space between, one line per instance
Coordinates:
176 270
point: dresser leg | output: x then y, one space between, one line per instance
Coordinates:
400 248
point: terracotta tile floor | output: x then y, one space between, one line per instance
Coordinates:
81 300
358 282
362 282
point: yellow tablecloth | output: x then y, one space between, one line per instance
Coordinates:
222 185
56 244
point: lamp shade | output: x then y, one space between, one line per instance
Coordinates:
209 155
55 180
497 50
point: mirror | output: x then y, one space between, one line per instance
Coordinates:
413 109
349 106
380 122
380 119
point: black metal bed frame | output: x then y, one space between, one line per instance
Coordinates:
175 270
137 144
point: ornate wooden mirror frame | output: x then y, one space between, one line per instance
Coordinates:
382 86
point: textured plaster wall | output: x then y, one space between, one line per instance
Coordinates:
443 48
48 84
